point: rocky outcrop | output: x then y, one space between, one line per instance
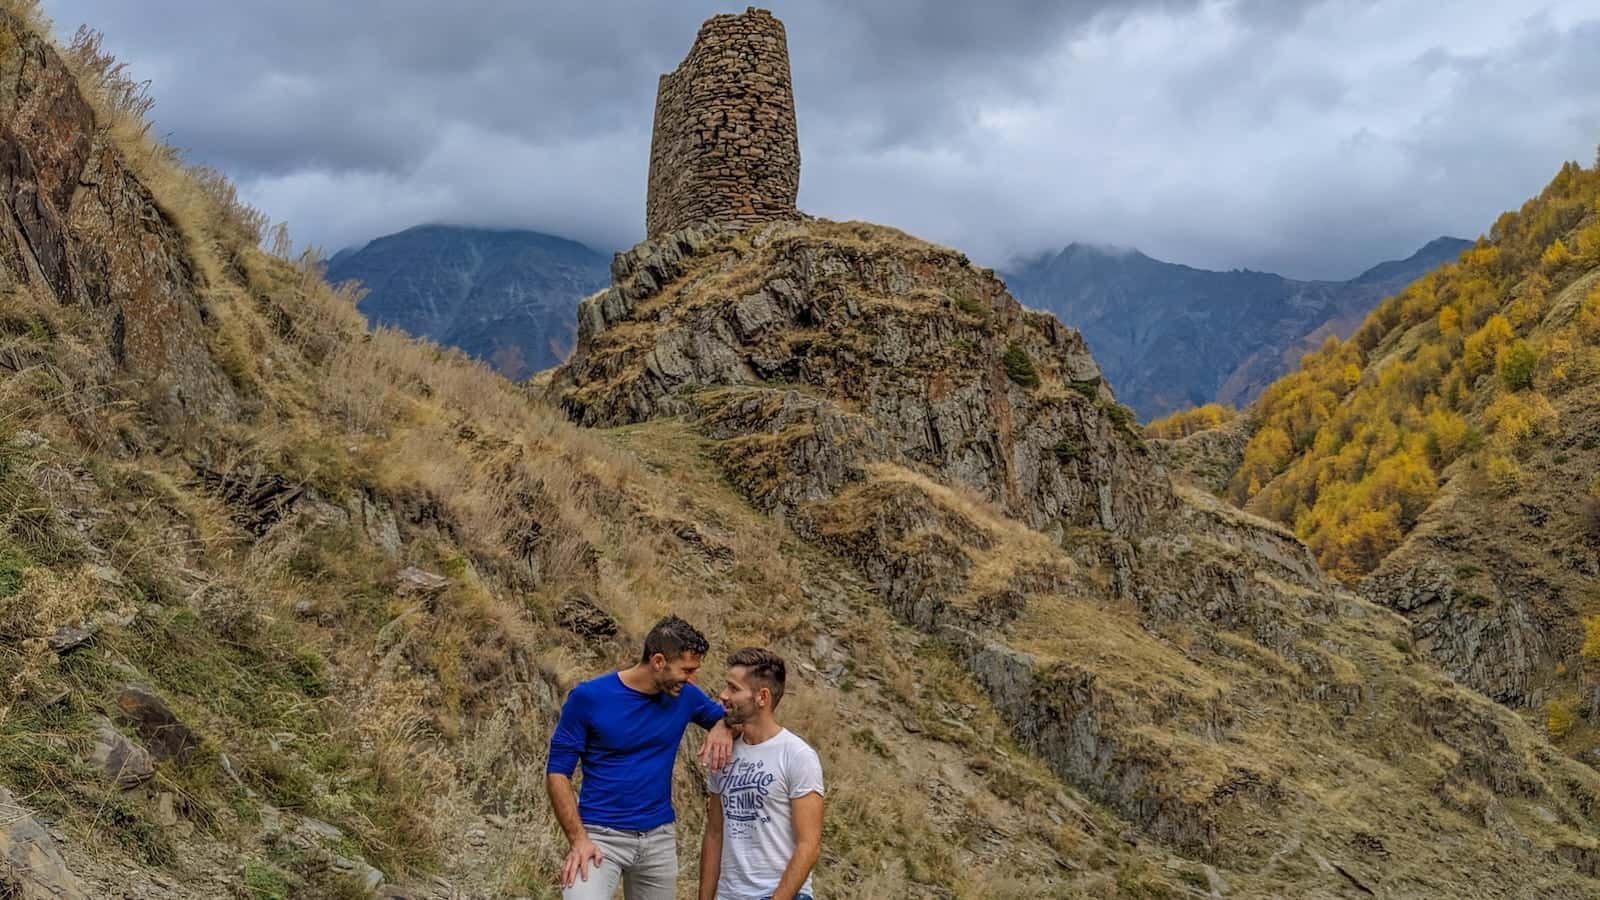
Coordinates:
1494 645
946 367
30 866
78 228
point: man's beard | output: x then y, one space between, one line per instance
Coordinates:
737 715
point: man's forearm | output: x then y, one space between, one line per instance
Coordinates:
710 864
564 801
797 871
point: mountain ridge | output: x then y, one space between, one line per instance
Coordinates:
503 295
1172 335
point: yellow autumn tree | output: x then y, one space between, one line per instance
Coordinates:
1556 255
1559 718
1188 421
1516 361
1591 639
1449 320
1347 449
1448 434
1480 349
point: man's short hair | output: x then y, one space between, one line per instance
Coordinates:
763 667
672 637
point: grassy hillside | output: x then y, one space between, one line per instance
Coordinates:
1443 459
211 467
287 605
1468 362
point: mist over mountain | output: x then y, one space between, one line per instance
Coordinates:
1171 336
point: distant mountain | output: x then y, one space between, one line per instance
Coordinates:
505 296
1171 336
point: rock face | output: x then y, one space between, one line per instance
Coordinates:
940 366
30 866
725 146
79 228
1494 645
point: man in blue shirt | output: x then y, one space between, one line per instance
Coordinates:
625 727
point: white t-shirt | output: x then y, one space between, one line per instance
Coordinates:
757 788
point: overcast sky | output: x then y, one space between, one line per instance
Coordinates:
1308 138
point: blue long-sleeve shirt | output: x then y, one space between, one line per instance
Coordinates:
627 742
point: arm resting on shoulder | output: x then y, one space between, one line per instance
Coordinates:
807 812
718 746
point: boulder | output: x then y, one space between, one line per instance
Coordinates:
159 728
68 638
30 866
124 762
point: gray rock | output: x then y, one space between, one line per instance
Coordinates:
368 876
30 866
125 763
68 638
319 829
414 582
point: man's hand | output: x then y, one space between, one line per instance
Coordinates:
718 747
584 853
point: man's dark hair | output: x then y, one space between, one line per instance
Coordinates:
763 667
672 637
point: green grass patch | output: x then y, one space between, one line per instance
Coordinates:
1069 449
1019 368
13 570
265 882
1088 390
1125 421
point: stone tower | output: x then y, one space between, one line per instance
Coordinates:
725 147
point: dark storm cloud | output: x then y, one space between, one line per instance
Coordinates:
1311 137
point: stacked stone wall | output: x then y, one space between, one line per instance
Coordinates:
725 147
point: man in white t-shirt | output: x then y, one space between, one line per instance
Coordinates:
764 815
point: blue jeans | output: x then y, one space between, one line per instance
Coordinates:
796 897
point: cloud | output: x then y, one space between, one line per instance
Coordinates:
1313 138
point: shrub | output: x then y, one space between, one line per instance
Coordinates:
1088 390
1558 719
1068 449
1186 422
1019 368
1517 362
1505 475
1591 638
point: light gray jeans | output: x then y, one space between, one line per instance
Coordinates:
645 862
